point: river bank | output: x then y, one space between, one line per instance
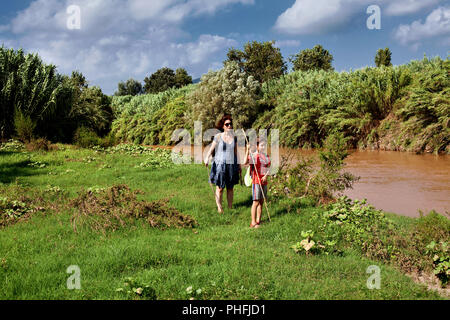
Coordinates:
219 258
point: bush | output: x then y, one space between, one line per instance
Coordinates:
154 126
146 104
319 179
228 90
86 138
24 126
40 144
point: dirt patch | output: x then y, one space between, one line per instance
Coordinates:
104 210
431 281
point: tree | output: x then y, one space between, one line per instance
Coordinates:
316 58
263 61
79 80
229 90
160 81
92 110
182 78
131 88
383 58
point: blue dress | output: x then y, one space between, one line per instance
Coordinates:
225 167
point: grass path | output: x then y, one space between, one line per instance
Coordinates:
222 256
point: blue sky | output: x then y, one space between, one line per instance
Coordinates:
120 39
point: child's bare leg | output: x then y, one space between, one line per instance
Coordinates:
254 209
259 211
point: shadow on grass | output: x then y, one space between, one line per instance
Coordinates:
246 203
6 153
289 206
10 171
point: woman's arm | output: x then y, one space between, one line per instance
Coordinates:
213 146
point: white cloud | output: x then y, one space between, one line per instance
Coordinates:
321 16
120 39
287 43
176 10
436 24
403 7
317 16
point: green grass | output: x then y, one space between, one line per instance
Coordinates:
222 255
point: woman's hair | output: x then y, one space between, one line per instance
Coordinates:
221 122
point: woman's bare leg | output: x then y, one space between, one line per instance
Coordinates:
230 193
219 193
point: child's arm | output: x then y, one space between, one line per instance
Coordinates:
264 178
246 155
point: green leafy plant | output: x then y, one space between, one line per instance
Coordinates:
24 126
137 290
319 179
12 211
440 253
194 294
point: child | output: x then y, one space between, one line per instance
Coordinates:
259 169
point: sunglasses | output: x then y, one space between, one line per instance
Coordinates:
228 124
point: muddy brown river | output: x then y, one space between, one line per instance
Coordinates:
399 182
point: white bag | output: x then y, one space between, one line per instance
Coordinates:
248 178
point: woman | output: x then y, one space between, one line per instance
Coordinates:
225 167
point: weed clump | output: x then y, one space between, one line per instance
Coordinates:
318 179
420 247
12 211
12 146
113 208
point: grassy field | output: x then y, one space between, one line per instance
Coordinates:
221 256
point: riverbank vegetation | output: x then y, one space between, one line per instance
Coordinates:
402 108
157 227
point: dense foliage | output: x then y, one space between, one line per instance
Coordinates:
263 60
229 90
37 101
131 87
316 58
383 58
165 78
151 119
392 108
